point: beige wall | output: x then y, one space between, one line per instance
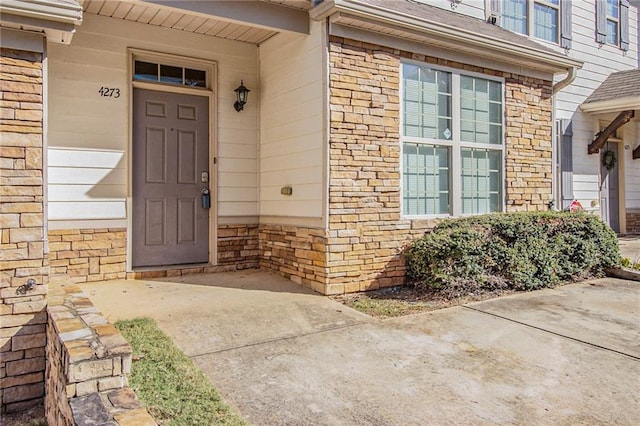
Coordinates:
88 134
291 122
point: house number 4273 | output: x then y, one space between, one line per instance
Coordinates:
109 92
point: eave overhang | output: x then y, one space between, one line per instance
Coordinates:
55 18
612 105
347 12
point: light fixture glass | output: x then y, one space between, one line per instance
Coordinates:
242 93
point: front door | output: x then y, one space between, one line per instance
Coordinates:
170 171
609 185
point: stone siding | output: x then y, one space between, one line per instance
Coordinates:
633 221
238 245
87 255
297 253
87 363
366 231
24 266
529 167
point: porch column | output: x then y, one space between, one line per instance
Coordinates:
24 266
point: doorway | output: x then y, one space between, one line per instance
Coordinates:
170 177
610 185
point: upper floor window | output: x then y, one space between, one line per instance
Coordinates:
548 20
613 19
612 23
452 142
539 18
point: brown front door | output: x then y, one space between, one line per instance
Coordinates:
170 170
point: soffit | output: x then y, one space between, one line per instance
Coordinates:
184 20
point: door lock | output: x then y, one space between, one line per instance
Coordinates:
206 199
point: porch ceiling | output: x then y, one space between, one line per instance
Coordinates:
196 20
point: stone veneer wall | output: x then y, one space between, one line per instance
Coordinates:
87 363
238 245
297 253
633 221
87 255
366 229
22 241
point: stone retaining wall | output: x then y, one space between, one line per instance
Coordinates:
86 255
87 363
24 268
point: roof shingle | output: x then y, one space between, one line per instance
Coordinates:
621 84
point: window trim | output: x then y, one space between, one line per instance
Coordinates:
610 18
455 144
530 21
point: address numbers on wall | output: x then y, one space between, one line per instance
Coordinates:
109 92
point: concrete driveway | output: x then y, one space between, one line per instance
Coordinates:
282 355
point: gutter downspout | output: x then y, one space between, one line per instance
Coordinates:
573 73
556 189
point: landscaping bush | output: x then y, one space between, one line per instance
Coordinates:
522 251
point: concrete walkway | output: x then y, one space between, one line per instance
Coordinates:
630 247
283 355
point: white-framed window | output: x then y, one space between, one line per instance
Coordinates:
613 21
452 134
538 18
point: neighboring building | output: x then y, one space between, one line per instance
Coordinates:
366 121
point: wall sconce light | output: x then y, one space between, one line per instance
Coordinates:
242 93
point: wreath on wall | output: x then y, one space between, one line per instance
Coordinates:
609 160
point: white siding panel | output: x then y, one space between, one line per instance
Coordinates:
84 127
102 192
87 210
291 122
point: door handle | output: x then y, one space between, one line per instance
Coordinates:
206 199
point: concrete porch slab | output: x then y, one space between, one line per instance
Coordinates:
206 313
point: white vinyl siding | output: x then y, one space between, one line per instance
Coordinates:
291 123
599 62
452 142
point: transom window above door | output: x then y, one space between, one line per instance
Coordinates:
169 74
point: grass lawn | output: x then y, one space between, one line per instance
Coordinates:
167 382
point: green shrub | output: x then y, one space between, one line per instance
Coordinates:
523 251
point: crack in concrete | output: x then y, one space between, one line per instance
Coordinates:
279 339
634 357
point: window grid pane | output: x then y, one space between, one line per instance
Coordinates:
480 110
613 8
426 179
514 15
426 102
546 22
481 181
612 32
